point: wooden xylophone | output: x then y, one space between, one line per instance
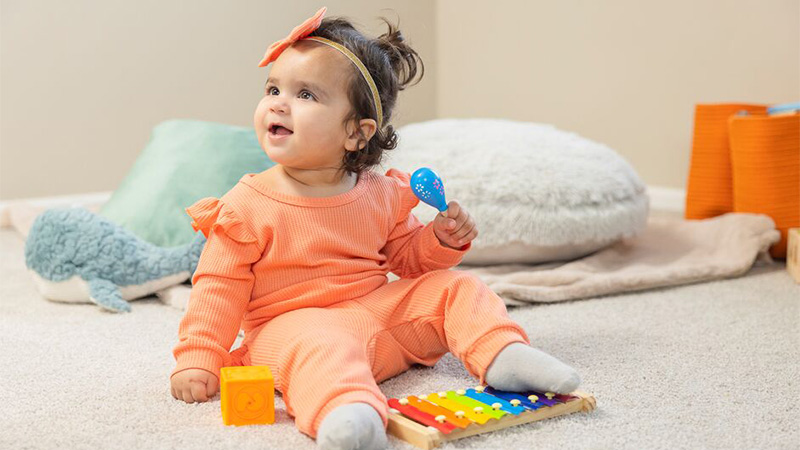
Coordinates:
429 420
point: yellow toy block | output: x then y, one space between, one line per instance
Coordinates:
247 395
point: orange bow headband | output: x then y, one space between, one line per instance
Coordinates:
301 32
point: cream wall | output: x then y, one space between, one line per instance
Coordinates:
83 82
623 72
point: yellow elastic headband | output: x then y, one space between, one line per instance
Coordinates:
361 68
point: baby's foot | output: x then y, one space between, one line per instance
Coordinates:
352 426
520 367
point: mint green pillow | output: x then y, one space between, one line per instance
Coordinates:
184 161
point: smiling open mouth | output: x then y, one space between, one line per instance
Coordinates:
279 130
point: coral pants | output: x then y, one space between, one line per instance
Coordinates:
322 358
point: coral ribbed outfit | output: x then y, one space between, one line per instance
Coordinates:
306 278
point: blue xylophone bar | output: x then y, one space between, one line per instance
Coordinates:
524 397
491 399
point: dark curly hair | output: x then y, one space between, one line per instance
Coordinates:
393 65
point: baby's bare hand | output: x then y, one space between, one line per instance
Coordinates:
457 229
194 385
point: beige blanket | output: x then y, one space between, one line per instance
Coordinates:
669 252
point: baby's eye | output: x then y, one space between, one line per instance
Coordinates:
271 89
309 97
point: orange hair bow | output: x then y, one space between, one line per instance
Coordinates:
299 32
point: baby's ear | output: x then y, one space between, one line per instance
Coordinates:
354 140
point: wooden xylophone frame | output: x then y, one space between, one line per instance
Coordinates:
427 437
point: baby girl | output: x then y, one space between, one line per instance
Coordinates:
298 255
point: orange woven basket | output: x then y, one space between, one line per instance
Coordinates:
765 158
709 191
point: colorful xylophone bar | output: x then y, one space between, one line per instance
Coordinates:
427 421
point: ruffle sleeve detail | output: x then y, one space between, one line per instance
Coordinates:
408 200
213 214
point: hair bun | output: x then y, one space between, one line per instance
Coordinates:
404 60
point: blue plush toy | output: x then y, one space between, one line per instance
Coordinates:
77 256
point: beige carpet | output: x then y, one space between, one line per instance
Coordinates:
710 365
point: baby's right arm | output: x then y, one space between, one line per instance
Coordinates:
221 290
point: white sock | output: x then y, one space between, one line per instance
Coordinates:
353 426
520 367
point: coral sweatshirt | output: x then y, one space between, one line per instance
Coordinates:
269 253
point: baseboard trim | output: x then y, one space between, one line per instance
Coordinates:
83 200
667 199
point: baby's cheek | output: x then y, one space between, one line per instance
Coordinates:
260 134
260 115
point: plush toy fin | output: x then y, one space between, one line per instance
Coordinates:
107 295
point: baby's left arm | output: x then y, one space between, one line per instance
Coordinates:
413 249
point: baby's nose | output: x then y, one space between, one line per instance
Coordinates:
279 105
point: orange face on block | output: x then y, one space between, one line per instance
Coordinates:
247 395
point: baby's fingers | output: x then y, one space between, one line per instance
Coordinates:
199 391
211 387
185 394
453 209
467 228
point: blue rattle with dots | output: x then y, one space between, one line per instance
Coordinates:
428 187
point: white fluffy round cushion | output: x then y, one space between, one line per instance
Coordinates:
537 193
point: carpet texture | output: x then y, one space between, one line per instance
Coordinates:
710 365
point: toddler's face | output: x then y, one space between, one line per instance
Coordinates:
306 93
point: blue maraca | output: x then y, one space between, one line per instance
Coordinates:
428 187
